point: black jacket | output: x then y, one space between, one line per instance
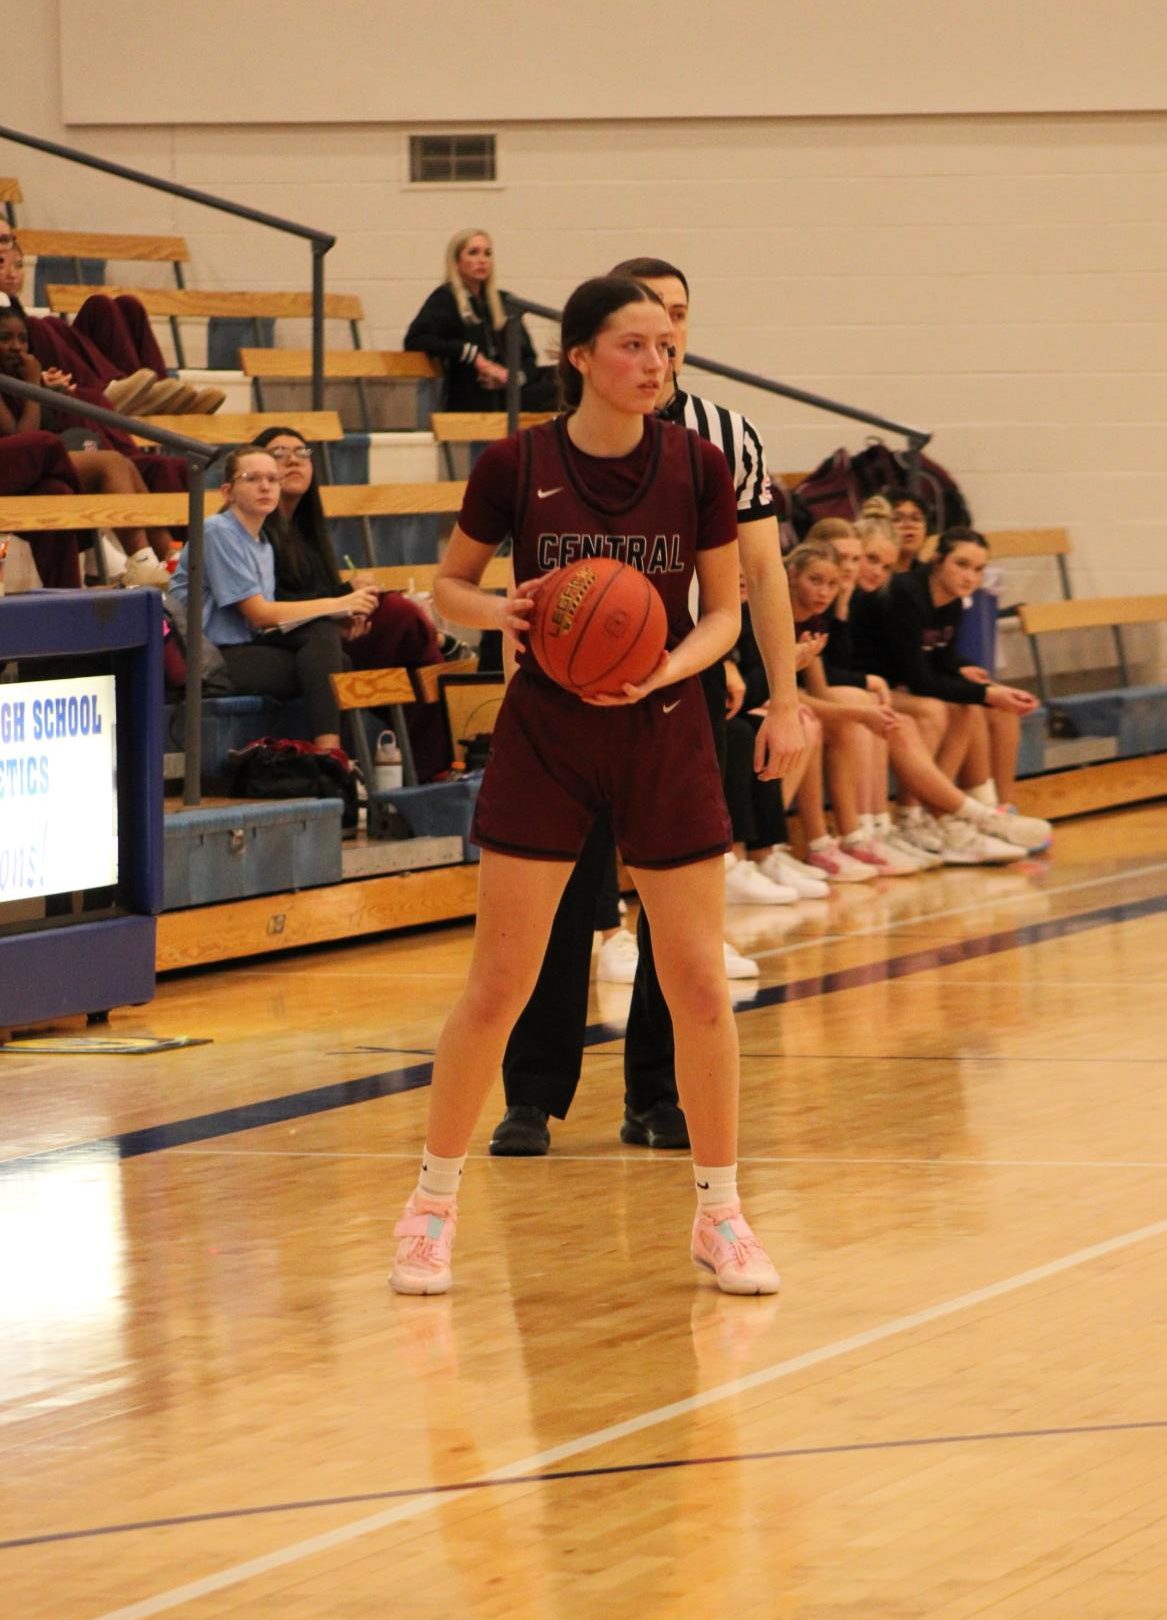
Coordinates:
439 331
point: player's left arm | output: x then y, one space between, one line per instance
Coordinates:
780 739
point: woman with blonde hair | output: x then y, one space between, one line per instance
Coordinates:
462 325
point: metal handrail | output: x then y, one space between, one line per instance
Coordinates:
516 307
197 456
321 241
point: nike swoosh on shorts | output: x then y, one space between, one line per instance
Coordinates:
667 708
544 493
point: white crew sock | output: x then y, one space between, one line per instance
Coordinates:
881 824
716 1185
985 794
856 837
439 1177
143 554
825 842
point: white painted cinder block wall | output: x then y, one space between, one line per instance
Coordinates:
997 278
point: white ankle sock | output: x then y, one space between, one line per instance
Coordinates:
972 808
825 842
881 823
716 1185
866 827
439 1177
850 838
985 794
143 554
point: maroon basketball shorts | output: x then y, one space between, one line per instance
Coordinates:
555 761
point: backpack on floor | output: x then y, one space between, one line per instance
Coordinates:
289 768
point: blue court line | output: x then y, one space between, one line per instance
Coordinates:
342 1094
559 1476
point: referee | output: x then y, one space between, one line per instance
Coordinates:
541 1068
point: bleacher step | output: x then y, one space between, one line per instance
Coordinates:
1061 752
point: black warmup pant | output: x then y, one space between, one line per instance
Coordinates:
756 809
291 664
541 1065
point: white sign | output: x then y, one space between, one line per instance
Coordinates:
58 786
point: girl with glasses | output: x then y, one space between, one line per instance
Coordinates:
276 649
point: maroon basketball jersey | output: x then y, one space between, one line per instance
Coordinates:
558 520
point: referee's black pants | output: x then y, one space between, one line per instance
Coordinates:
541 1066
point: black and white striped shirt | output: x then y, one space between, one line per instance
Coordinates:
739 442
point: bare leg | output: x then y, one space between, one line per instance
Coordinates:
957 739
686 908
1004 743
509 940
847 766
807 781
105 472
978 761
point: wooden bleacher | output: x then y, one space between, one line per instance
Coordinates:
240 427
108 245
296 364
356 366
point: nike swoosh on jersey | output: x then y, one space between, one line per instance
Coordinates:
667 708
544 493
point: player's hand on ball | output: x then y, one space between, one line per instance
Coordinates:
515 610
630 693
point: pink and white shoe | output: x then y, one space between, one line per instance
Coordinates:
723 1244
426 1230
891 862
837 866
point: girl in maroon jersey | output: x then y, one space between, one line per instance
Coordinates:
663 499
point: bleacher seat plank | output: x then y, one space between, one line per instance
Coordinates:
372 688
106 245
1028 543
162 301
296 364
478 427
386 500
37 513
1091 612
10 191
240 427
421 576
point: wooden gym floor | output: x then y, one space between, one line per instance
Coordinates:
953 1141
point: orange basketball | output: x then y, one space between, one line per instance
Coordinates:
597 624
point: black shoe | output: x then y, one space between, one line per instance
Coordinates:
662 1126
521 1133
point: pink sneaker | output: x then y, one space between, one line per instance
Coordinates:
723 1243
426 1230
838 866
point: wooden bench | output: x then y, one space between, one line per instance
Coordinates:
176 303
1135 715
107 246
340 365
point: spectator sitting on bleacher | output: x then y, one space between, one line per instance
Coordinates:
37 464
396 634
105 472
462 325
276 649
110 346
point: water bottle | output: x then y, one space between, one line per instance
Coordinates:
387 763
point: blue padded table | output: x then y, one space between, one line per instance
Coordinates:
72 961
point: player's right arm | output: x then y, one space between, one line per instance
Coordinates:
460 597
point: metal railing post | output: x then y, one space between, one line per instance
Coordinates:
319 249
512 355
192 739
